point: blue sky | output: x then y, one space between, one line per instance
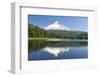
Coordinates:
74 22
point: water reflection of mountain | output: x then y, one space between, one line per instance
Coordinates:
56 51
35 45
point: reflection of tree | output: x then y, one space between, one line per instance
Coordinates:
66 43
34 45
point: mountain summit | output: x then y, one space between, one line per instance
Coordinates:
56 26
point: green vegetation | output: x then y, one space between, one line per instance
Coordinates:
35 45
69 34
37 32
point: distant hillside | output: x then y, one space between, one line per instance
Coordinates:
37 32
63 32
69 34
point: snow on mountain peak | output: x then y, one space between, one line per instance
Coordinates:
56 26
56 22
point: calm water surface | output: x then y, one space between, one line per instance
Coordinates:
50 50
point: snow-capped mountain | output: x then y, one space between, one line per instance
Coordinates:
56 26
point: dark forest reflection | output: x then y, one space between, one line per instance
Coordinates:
34 45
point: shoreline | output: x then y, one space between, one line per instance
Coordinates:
55 39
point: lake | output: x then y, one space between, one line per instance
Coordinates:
51 50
